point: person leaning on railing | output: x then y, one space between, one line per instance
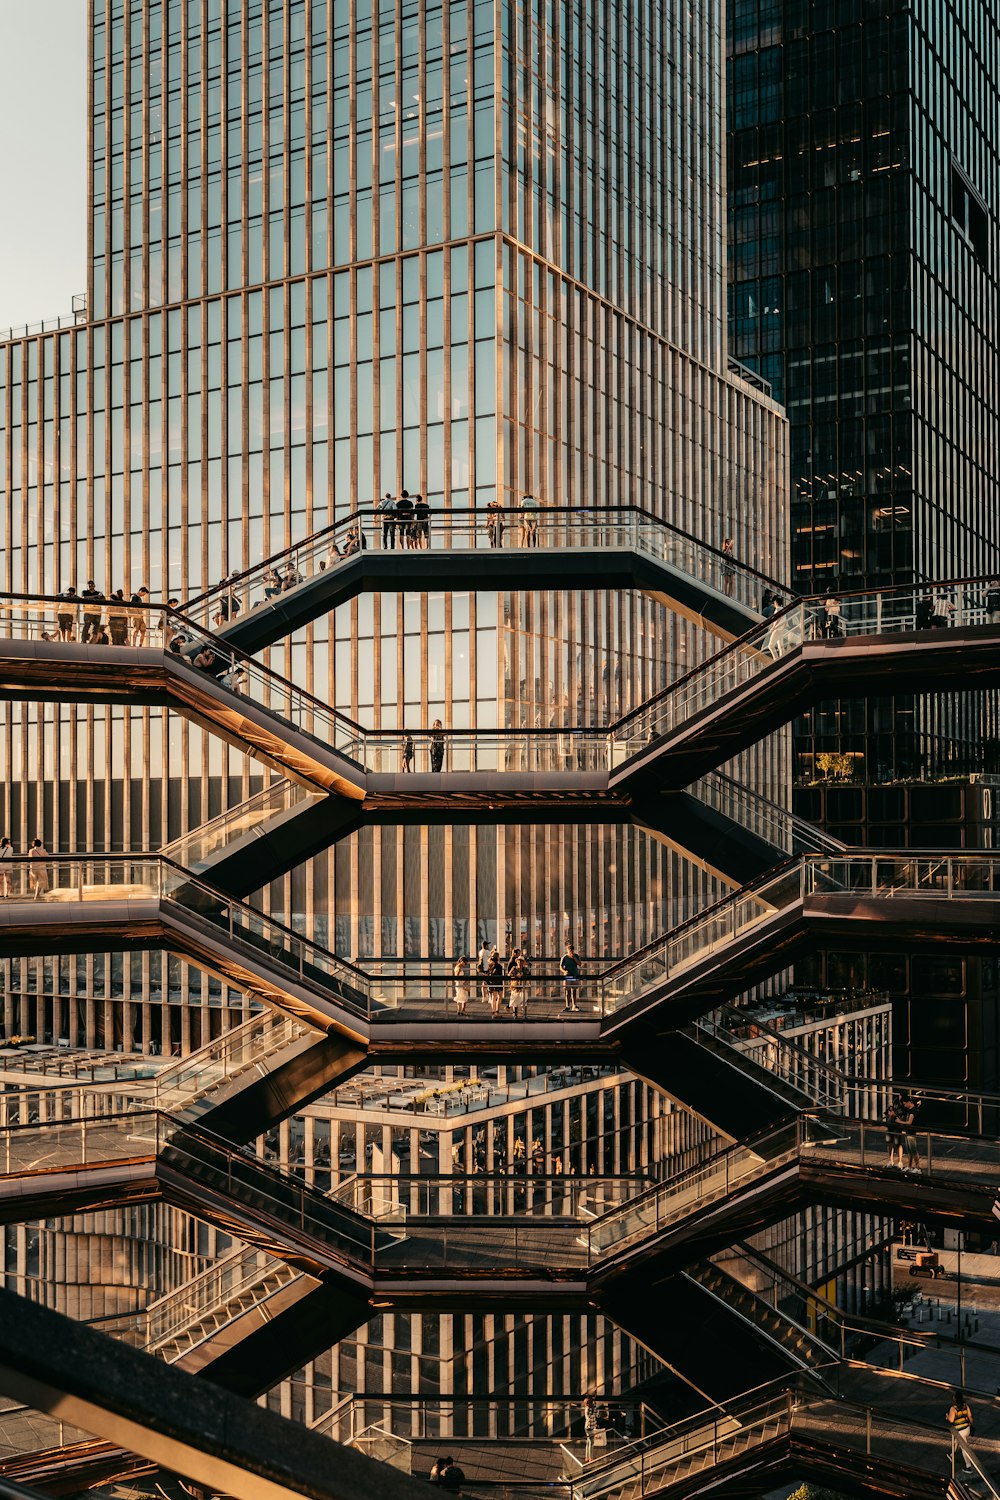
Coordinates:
118 617
494 522
385 510
138 622
91 617
528 534
66 618
991 602
421 527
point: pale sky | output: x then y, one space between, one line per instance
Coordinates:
43 158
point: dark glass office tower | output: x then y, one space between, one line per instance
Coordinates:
864 194
864 183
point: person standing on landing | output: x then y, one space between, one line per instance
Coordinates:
482 964
569 968
38 870
437 745
907 1116
893 1134
385 509
404 517
991 603
461 973
590 1427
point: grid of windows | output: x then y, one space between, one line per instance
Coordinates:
864 206
339 247
864 197
170 445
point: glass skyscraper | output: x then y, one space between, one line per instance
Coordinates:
471 248
864 195
338 249
864 209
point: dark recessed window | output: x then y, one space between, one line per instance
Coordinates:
969 212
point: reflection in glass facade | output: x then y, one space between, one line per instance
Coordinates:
864 204
339 247
864 201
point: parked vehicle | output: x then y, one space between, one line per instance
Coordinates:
928 1265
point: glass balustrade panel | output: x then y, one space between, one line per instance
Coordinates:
246 1047
194 850
103 623
699 938
79 1143
691 1189
959 604
279 580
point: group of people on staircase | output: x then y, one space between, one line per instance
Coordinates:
504 983
99 619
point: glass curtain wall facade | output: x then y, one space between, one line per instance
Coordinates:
864 206
468 247
471 248
864 195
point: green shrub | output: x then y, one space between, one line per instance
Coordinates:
815 1492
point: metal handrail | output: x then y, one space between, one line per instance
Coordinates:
978 1099
809 605
191 632
880 874
729 788
478 515
859 1322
